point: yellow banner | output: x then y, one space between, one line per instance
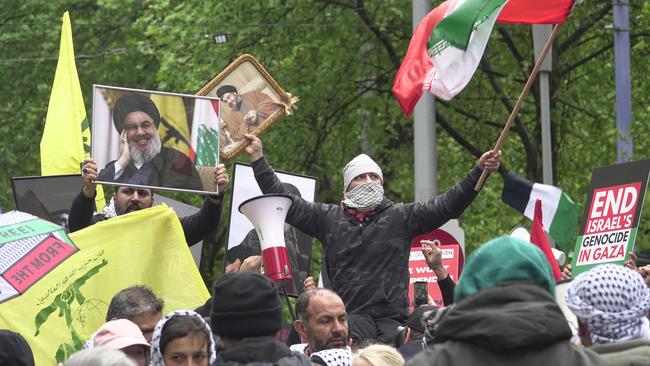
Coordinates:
59 311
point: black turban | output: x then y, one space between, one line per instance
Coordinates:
225 89
134 103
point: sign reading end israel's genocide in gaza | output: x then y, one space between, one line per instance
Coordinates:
612 213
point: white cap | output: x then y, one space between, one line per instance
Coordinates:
361 164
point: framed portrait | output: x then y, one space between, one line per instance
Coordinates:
152 139
250 102
242 238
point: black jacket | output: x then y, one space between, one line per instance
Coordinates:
367 262
196 227
510 324
261 351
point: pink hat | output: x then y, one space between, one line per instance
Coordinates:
119 334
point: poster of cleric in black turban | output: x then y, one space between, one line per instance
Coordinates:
153 139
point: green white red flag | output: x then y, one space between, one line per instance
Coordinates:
458 31
205 133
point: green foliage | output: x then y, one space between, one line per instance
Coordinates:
340 58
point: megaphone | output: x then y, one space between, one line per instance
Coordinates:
267 214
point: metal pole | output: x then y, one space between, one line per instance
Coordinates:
424 129
622 74
541 33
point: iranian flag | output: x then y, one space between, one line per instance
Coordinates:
457 32
561 219
205 133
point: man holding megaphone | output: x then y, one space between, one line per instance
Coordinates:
367 238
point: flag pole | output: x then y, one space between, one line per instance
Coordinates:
520 101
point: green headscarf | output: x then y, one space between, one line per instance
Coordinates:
504 259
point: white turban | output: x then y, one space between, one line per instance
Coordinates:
361 164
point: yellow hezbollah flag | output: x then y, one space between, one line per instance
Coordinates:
62 287
173 129
66 137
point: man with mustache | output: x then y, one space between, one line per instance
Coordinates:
322 321
143 160
128 199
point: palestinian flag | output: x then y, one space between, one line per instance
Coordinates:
205 133
561 219
457 32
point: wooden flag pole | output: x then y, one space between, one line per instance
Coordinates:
520 101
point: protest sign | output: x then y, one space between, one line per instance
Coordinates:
144 138
611 216
56 289
450 241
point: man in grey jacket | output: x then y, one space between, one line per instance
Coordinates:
367 238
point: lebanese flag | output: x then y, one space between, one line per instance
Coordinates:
458 31
204 150
538 238
562 214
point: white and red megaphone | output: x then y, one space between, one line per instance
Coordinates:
267 214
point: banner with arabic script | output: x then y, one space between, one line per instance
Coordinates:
55 290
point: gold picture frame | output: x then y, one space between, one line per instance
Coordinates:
250 102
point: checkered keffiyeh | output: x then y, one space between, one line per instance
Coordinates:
359 165
332 357
365 197
612 301
156 354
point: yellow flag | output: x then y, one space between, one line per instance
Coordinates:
66 137
173 129
63 288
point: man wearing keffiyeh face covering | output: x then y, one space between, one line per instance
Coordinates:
367 238
611 303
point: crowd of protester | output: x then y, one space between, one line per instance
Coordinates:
501 311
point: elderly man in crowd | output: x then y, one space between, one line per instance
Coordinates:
505 314
611 303
366 238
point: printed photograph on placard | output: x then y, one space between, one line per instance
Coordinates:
154 139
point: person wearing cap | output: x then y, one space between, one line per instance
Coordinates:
143 160
246 314
505 314
611 303
414 332
366 237
247 110
123 335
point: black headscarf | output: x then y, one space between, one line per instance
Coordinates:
134 103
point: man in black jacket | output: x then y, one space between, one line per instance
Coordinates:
127 199
367 238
